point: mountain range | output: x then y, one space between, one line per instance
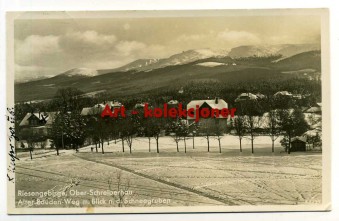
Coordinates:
243 63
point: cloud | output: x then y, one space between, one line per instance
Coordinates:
126 26
238 37
296 38
194 37
53 54
34 47
126 48
39 55
87 41
225 39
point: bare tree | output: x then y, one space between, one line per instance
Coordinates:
252 114
176 139
252 124
129 128
147 131
31 146
33 139
273 125
219 130
155 127
180 130
122 187
239 128
194 127
183 132
208 130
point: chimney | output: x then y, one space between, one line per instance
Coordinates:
216 100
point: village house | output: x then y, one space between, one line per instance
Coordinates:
283 94
315 109
215 122
141 105
98 108
246 97
313 116
172 103
298 144
36 124
260 95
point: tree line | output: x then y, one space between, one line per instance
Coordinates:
284 117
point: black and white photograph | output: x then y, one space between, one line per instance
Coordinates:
168 111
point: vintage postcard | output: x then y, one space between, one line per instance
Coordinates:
168 111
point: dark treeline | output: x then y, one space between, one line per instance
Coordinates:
191 91
229 92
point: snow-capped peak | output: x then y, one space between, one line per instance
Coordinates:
207 53
176 59
81 72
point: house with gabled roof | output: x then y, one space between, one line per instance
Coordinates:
36 124
298 144
98 108
216 121
246 97
40 120
283 93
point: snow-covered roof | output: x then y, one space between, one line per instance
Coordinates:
246 96
220 104
313 110
98 108
303 139
260 95
215 104
92 110
114 104
140 105
283 93
312 133
317 125
172 102
47 116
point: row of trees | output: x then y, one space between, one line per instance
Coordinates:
71 130
276 123
286 123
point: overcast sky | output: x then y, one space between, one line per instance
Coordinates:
50 47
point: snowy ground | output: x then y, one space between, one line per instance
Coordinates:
194 178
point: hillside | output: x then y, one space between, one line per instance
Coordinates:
176 59
132 82
311 59
285 50
185 57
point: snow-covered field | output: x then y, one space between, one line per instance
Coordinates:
194 178
210 64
